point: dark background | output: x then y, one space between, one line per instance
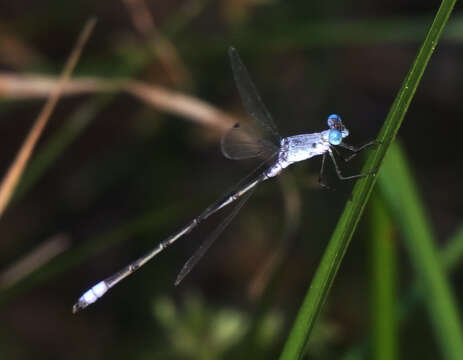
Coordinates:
134 174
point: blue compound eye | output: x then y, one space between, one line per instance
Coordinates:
335 137
334 119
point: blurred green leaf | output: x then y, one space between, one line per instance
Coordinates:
384 282
190 327
450 256
400 192
452 253
289 36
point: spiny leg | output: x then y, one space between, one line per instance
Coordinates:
338 171
356 150
345 159
321 176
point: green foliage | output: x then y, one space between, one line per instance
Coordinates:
384 282
403 200
339 242
197 330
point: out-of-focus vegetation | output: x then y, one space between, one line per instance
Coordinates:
111 173
442 307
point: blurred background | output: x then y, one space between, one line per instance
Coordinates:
120 167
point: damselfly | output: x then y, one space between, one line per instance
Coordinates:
242 143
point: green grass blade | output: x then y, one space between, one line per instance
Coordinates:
450 256
339 242
402 197
384 282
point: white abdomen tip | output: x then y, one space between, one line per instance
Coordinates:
90 296
100 288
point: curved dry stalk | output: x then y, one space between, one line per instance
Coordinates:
177 103
19 86
14 86
33 260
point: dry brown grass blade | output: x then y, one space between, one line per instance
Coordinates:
14 86
42 254
180 104
19 86
16 169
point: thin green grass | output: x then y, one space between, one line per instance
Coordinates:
452 254
290 35
383 282
450 257
404 202
339 242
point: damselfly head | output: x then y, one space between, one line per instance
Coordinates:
337 129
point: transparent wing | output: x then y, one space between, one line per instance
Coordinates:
257 176
194 259
242 143
251 99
